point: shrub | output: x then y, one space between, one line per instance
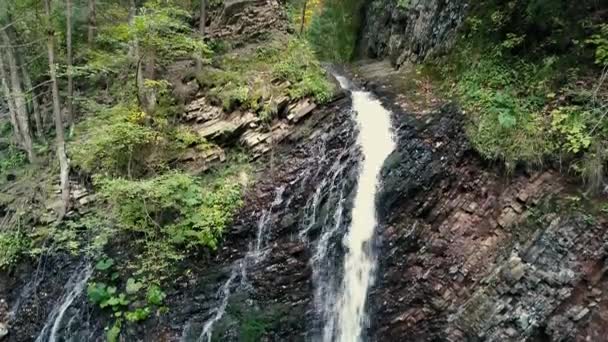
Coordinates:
172 213
114 142
600 41
12 245
11 158
504 124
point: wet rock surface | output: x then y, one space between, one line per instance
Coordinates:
275 290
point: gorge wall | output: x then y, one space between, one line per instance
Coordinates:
410 31
465 251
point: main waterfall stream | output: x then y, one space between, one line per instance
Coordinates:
376 142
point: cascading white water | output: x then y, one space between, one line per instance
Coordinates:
376 142
73 289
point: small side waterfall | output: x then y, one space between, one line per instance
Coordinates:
73 289
325 212
239 268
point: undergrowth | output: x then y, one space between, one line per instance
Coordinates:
173 214
528 83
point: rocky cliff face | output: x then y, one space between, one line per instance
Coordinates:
469 254
410 30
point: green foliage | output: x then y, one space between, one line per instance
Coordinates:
128 304
138 315
571 124
404 4
298 65
114 142
113 333
505 125
104 264
11 158
256 82
333 31
162 33
155 295
12 245
600 41
517 70
173 213
106 296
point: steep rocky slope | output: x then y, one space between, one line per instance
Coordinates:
467 253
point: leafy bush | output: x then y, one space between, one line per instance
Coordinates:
172 213
524 78
298 65
600 41
11 158
12 245
504 124
131 304
114 142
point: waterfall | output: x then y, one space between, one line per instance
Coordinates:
376 142
73 289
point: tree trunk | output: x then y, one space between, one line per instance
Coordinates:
18 97
92 23
9 101
60 139
34 102
303 23
203 19
133 45
201 27
70 99
146 71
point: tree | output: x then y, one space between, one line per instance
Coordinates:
69 100
92 18
18 97
35 104
303 20
64 167
203 20
9 101
201 28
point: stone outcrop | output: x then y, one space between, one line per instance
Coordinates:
410 31
245 21
245 128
